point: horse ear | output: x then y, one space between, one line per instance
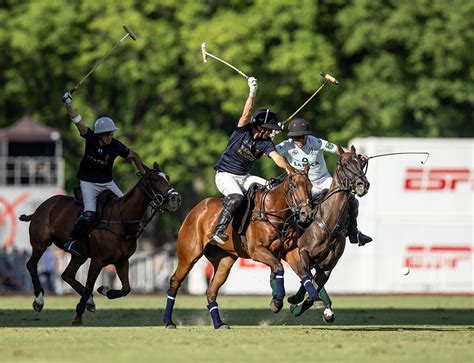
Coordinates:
353 149
156 166
340 150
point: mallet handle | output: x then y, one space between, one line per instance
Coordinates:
304 104
227 64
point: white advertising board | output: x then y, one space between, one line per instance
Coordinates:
420 217
15 201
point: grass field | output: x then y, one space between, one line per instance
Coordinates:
367 329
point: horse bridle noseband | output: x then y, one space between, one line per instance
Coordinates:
155 199
348 178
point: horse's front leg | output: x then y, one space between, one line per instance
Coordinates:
69 276
94 270
122 272
222 266
320 279
262 254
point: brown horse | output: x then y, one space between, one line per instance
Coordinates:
322 244
112 241
271 233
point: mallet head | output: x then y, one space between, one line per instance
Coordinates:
130 32
204 52
329 78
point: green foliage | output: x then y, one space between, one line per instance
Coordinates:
405 69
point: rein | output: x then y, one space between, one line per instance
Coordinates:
155 201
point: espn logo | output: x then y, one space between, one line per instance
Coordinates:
437 179
436 257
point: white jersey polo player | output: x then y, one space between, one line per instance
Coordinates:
303 148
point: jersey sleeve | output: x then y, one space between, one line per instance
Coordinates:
88 135
328 146
267 147
122 150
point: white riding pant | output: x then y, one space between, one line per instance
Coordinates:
90 191
228 183
320 184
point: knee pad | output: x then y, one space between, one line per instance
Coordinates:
88 216
233 201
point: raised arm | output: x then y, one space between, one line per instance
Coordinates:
246 113
75 117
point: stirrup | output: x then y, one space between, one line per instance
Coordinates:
217 239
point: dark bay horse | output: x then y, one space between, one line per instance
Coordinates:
112 241
271 233
322 244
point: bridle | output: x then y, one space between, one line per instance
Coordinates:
291 201
348 178
154 197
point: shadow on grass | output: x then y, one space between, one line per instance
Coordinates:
364 319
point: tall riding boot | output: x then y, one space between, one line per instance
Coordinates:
231 204
355 236
80 230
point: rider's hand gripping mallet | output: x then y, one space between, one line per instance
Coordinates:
206 54
129 33
327 78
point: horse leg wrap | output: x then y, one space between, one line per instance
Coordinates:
298 297
308 285
214 310
169 307
114 294
324 296
278 285
300 309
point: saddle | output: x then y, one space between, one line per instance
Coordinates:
102 199
241 218
319 198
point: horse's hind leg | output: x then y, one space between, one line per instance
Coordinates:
69 276
32 266
222 264
122 272
93 273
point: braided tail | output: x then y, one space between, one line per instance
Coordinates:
25 217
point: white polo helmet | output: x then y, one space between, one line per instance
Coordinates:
104 124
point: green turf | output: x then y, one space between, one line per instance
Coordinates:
367 329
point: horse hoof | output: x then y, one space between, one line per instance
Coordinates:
90 307
76 322
293 300
328 316
276 305
170 325
224 326
103 290
37 307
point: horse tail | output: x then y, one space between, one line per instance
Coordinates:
25 217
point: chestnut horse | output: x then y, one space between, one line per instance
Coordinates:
322 244
271 233
112 241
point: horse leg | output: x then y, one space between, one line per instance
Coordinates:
262 254
69 276
320 279
93 273
32 266
122 272
185 264
222 266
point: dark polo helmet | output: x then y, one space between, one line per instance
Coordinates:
266 118
299 127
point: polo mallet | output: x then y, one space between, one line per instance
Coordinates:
129 33
206 54
327 78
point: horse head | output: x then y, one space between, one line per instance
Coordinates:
160 193
298 195
350 172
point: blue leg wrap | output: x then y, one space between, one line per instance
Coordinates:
280 285
169 307
214 310
308 285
